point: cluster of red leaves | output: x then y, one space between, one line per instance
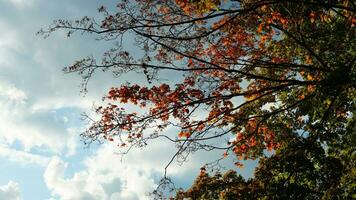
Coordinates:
161 99
197 7
254 136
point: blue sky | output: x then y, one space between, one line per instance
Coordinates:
41 154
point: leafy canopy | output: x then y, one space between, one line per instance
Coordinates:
257 75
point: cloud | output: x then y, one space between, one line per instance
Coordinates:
23 157
106 175
22 85
10 191
44 129
100 181
33 89
21 3
10 93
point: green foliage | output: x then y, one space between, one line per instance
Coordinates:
300 170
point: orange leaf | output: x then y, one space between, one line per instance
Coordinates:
225 154
239 165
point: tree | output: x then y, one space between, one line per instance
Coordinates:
301 170
226 186
270 74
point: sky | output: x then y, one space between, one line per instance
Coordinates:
41 153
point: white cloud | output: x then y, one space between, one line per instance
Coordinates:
22 157
107 176
12 94
21 3
34 129
10 191
24 85
98 181
32 85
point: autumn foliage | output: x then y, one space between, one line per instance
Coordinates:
256 74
